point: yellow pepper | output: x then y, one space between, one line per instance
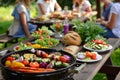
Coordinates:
17 64
8 63
36 46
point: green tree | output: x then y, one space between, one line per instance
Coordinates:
65 3
61 2
6 2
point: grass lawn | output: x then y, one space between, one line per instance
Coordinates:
5 18
6 21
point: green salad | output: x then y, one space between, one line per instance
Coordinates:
48 42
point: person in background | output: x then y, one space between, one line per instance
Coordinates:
107 4
47 6
20 27
82 5
112 26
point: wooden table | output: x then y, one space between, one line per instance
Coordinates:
91 69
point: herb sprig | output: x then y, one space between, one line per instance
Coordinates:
88 30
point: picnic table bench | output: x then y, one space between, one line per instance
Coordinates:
91 69
118 76
4 38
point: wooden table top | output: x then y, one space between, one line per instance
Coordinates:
91 69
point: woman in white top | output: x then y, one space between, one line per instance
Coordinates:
113 24
47 6
84 5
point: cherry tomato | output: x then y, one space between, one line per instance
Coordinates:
28 43
10 58
94 56
45 55
58 26
34 64
62 59
25 62
17 48
88 54
100 41
51 43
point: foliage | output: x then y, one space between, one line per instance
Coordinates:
100 76
69 3
5 13
4 25
6 2
88 30
92 2
116 57
63 3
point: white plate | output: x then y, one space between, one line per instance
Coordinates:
109 48
15 48
99 57
2 53
18 50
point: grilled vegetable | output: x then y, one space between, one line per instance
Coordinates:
47 60
65 64
58 64
34 64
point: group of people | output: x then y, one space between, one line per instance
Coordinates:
21 14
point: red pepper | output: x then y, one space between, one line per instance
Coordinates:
62 59
10 58
45 55
25 62
34 64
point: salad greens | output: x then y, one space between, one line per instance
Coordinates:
98 43
43 31
88 30
23 46
48 42
57 27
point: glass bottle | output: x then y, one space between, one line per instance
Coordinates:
66 25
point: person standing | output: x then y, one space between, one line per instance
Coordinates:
20 27
47 6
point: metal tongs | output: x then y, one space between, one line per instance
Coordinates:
80 67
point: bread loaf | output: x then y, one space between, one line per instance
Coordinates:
72 38
71 49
